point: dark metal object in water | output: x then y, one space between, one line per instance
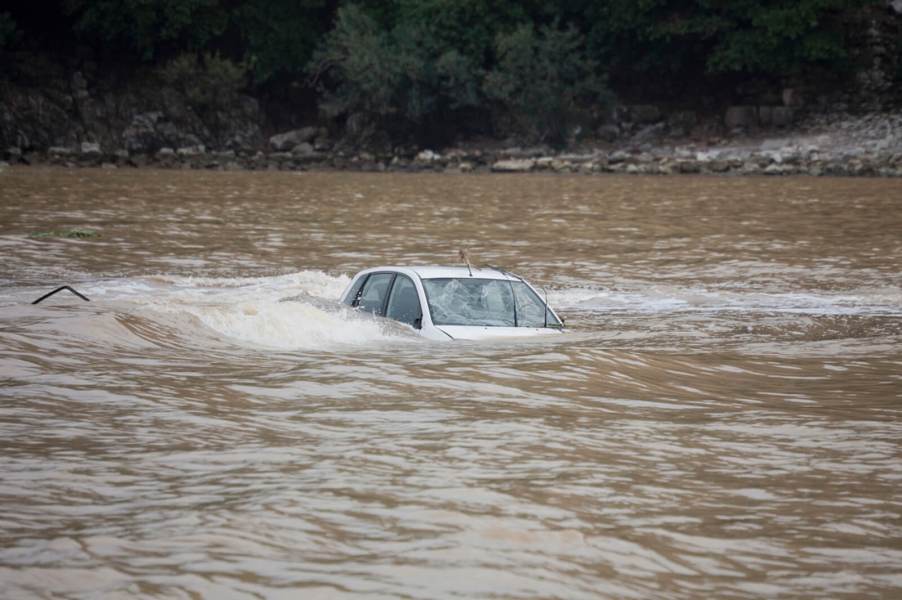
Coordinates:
59 289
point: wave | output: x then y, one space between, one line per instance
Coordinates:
885 301
298 311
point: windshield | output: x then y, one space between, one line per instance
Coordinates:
485 303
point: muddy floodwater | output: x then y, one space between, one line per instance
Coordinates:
722 418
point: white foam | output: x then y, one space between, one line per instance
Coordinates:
885 301
297 311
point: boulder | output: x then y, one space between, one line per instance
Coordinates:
645 114
608 133
514 165
303 150
141 134
90 149
782 116
792 97
427 156
188 151
682 122
283 142
741 117
618 156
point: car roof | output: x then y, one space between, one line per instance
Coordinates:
439 272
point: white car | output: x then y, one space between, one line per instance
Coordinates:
453 302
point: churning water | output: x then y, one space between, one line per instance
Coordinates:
722 419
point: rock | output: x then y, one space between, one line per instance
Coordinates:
288 140
792 97
165 152
649 133
90 149
896 5
775 169
741 117
59 151
427 156
719 166
191 150
14 153
561 166
465 167
79 85
749 168
304 150
618 156
608 133
514 165
645 114
782 116
689 166
108 165
141 134
682 122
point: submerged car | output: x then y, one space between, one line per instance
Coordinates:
453 302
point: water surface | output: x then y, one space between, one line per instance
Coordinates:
723 418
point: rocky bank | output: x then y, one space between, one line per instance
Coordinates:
88 120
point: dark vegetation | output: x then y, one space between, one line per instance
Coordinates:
430 71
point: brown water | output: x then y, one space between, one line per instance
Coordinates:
723 420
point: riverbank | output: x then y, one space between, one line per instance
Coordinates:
837 144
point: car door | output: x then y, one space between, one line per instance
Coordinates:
373 295
404 302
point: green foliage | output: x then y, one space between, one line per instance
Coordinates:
279 36
399 79
209 81
75 233
9 33
149 27
545 80
698 37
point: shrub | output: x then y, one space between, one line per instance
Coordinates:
544 81
9 33
394 79
207 82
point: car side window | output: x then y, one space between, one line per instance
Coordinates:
372 299
404 302
351 298
530 308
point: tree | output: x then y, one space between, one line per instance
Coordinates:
149 27
278 37
545 81
398 80
9 33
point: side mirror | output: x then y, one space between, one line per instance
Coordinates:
418 323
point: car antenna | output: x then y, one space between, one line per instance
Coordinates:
544 291
464 257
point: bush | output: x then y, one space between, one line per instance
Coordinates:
207 82
544 81
148 28
397 80
9 33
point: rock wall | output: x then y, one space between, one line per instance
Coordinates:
68 112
